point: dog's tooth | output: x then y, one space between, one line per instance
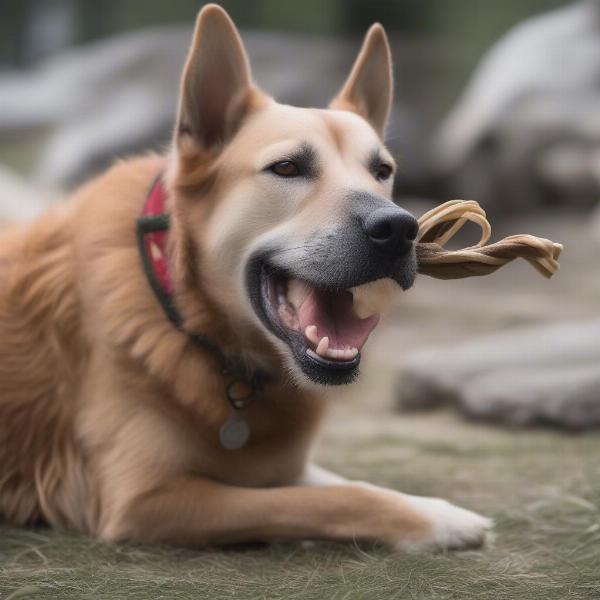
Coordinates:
373 298
353 352
311 334
297 291
323 346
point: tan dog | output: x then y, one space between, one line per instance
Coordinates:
177 403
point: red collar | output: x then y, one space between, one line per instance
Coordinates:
152 230
156 222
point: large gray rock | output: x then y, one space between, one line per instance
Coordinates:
527 128
119 95
20 200
109 97
547 373
595 225
565 394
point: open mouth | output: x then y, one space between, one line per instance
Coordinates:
325 328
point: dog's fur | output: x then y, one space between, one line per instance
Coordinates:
109 415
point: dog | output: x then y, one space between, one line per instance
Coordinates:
168 335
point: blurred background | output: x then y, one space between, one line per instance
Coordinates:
495 101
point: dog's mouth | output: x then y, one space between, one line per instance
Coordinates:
331 328
325 328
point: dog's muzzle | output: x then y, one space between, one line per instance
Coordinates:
323 297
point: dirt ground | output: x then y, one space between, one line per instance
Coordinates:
541 486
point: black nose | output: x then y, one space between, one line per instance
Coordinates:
391 229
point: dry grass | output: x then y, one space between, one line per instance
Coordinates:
543 489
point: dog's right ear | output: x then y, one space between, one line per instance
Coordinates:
216 90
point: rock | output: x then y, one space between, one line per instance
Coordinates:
527 128
19 200
119 95
567 395
595 225
546 373
107 98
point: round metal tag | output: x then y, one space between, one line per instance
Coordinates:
235 432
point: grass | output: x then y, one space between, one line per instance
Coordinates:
543 489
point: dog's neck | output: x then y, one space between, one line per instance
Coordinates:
169 267
243 382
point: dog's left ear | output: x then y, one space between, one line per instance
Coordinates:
216 89
369 88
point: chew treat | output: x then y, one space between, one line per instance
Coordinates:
440 224
374 298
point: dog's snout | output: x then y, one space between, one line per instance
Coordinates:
391 229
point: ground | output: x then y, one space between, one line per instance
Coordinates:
541 486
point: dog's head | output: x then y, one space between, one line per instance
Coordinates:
286 211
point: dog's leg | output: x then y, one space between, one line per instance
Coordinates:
452 526
196 512
317 476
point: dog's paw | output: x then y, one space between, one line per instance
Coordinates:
451 527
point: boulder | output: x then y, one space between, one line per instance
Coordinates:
20 200
526 130
544 373
118 95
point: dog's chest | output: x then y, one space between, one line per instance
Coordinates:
274 456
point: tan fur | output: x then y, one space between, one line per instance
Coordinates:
109 415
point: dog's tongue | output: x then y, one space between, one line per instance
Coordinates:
334 317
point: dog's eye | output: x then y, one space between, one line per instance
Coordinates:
285 168
383 172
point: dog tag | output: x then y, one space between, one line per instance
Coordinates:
235 432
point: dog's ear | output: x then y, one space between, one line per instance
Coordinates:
216 89
369 88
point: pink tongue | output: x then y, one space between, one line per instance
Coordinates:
335 318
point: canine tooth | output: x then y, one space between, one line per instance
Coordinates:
373 298
323 346
311 334
297 291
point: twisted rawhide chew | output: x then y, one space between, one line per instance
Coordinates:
440 224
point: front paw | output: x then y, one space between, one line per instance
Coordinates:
451 527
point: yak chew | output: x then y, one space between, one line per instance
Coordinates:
440 224
374 298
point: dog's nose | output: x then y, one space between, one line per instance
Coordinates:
391 229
